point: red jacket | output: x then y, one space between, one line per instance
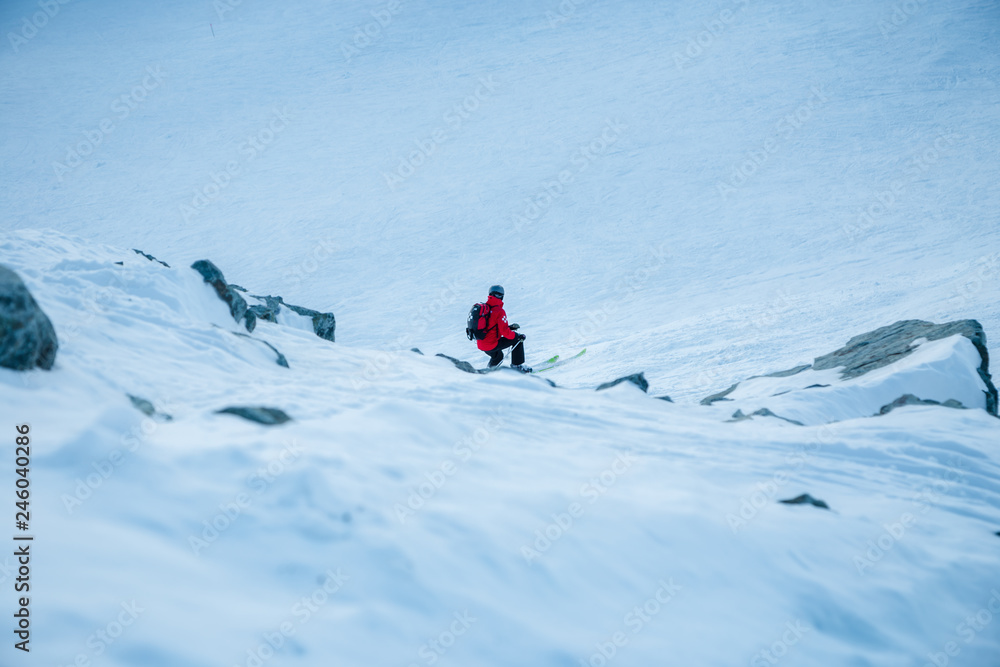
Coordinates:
497 327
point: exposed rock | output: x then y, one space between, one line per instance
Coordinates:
784 374
721 396
910 399
150 257
804 499
665 398
237 304
147 408
142 405
638 379
462 365
259 414
469 368
738 416
269 310
324 324
417 350
883 346
281 358
27 338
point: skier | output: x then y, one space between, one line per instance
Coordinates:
500 335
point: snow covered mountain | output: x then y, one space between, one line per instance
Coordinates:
705 193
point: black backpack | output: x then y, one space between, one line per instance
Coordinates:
479 320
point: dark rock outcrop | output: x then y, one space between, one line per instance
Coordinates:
462 365
237 304
665 398
638 379
142 405
910 399
147 408
805 499
150 257
469 368
27 337
259 414
886 345
417 350
789 373
324 324
267 311
738 416
721 396
281 358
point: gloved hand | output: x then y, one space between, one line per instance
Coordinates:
519 336
515 326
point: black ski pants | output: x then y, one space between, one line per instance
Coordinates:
516 355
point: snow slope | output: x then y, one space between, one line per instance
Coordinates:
700 191
400 497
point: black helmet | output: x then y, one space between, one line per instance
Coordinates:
497 291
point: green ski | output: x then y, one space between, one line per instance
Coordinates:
554 363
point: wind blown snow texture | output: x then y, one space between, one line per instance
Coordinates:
703 192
